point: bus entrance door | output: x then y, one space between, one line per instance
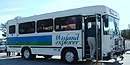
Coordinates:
98 37
88 22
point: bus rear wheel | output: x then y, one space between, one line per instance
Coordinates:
27 54
70 56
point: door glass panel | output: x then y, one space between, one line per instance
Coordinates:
98 37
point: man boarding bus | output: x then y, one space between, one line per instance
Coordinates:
91 39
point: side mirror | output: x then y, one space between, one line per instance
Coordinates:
105 20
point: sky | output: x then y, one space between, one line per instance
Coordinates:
9 9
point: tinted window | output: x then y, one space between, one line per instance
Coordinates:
12 29
45 25
68 23
28 27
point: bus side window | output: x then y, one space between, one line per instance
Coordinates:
45 25
12 29
68 23
28 27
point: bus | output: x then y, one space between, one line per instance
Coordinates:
64 33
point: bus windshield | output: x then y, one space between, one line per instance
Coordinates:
113 26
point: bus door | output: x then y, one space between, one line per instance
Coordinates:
98 37
88 21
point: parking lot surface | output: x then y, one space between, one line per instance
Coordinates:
55 60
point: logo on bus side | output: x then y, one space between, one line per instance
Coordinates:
67 40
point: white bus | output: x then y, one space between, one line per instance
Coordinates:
64 33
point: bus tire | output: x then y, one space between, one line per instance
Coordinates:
27 54
70 56
47 56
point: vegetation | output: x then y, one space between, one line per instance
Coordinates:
126 34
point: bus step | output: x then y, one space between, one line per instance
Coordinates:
87 56
87 47
87 51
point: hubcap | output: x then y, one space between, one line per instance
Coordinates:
26 53
69 56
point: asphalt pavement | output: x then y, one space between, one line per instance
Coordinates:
55 60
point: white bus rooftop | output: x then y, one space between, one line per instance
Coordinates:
101 9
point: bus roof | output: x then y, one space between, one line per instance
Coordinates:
89 10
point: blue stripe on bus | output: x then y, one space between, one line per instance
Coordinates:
11 39
30 39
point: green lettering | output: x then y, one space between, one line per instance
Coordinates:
72 42
65 42
69 42
56 42
76 42
61 43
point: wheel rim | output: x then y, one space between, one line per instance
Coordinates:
69 56
26 53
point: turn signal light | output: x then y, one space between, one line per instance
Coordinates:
110 37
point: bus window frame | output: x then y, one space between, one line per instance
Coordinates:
44 30
14 29
80 28
108 23
25 23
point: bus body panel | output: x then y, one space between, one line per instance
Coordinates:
69 39
55 41
107 44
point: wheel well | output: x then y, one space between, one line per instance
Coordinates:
68 48
24 48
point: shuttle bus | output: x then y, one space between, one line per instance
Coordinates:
64 33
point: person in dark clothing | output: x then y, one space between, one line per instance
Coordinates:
91 39
8 53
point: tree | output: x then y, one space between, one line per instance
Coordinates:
126 34
3 29
129 26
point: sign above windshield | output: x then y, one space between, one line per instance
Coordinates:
113 12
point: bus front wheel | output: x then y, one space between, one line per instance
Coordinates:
70 56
